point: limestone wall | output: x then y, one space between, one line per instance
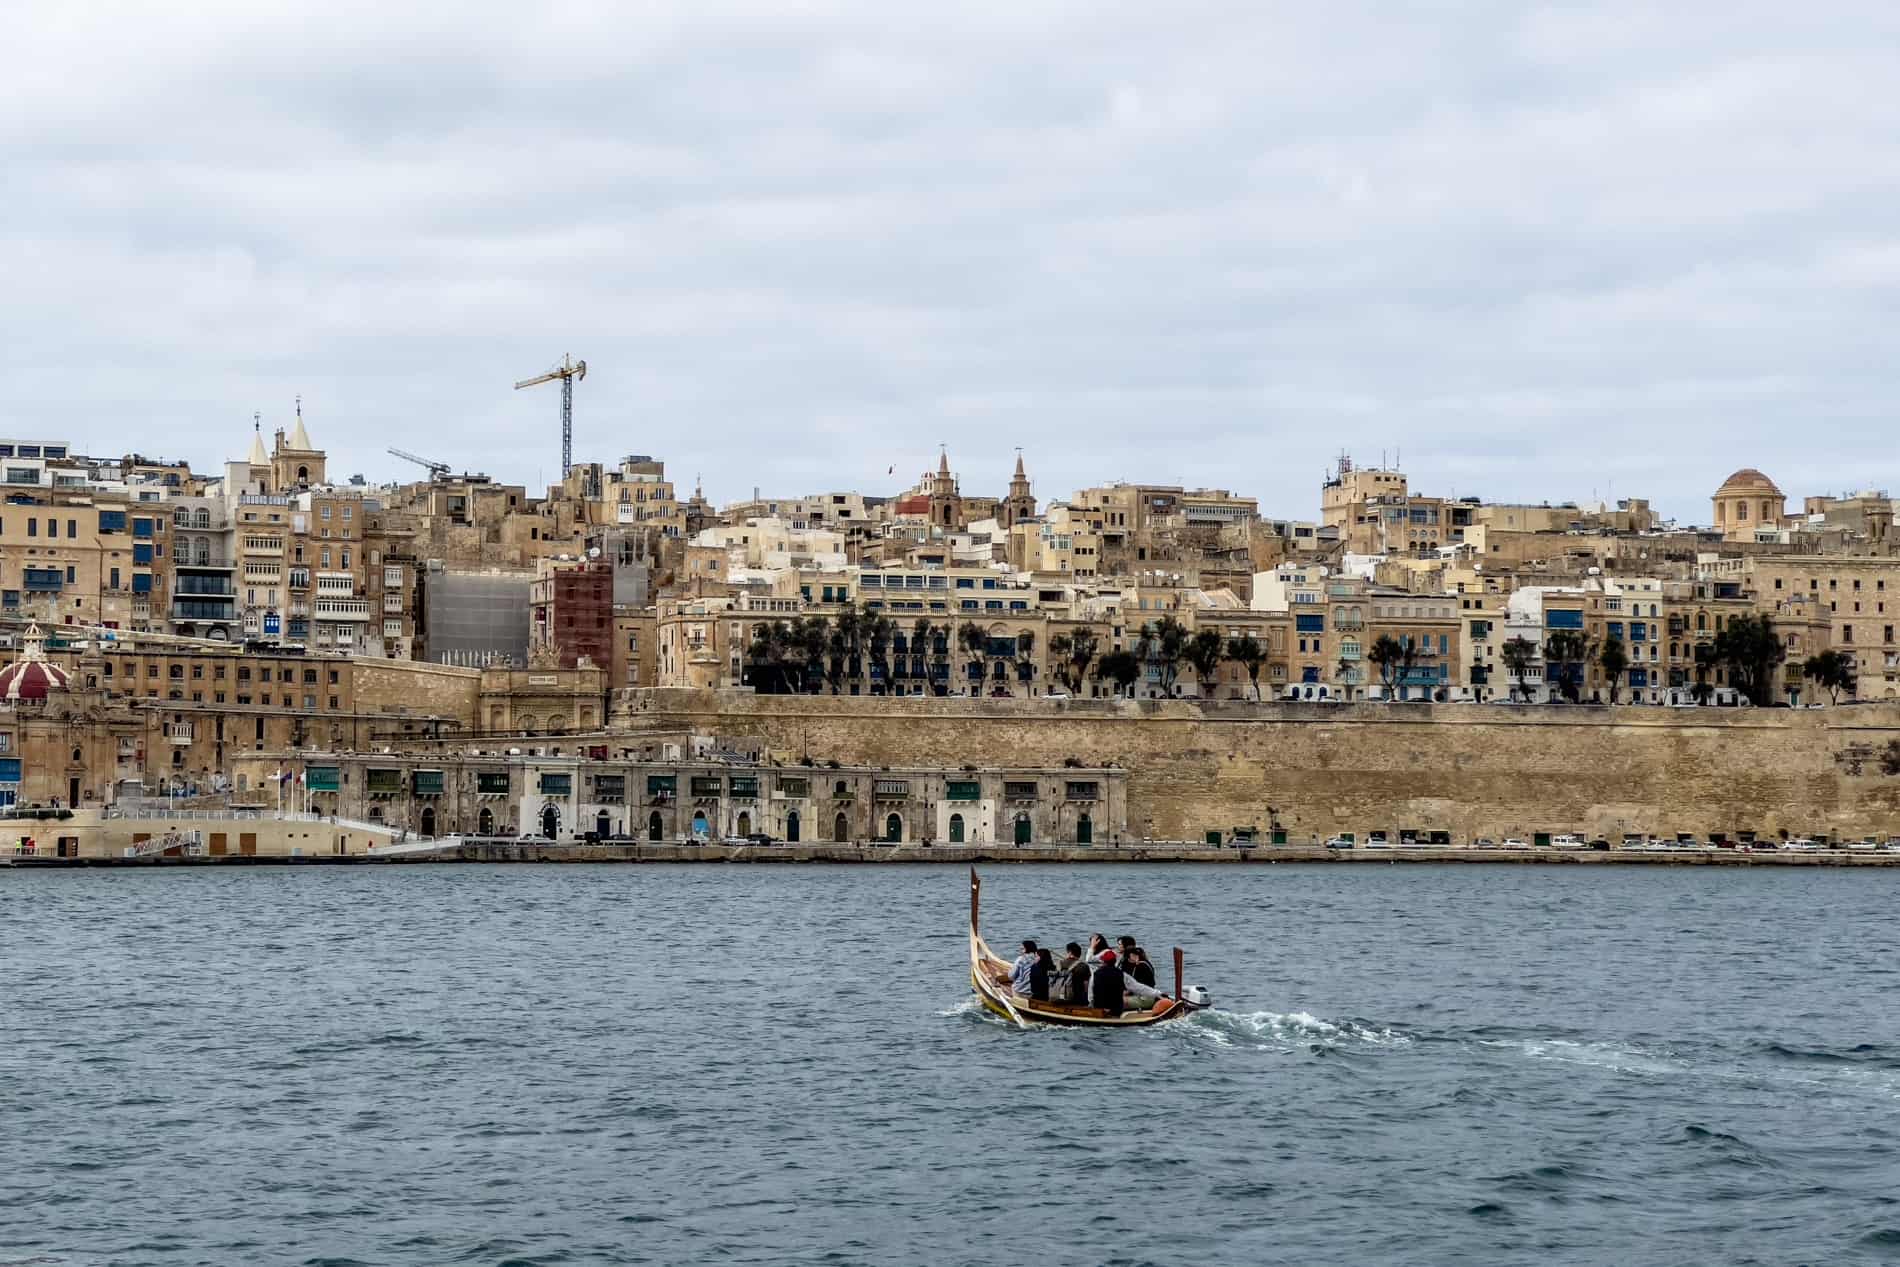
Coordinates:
1468 769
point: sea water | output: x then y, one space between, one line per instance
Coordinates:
732 1064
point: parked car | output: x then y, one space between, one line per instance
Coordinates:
1484 842
1512 842
1567 840
1339 842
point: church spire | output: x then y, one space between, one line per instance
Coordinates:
299 438
258 456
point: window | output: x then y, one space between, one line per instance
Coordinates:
963 790
1083 791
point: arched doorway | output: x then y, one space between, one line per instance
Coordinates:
428 820
840 829
956 829
603 825
653 825
485 823
1022 829
791 827
894 829
745 823
699 823
1084 831
551 822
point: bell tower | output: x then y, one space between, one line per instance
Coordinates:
1020 505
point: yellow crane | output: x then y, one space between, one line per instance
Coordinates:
567 371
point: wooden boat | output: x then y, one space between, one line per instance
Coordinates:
989 977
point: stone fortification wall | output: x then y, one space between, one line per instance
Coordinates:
1468 769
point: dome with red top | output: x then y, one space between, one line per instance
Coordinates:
31 678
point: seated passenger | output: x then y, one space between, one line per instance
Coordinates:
1098 946
1140 968
1019 971
1105 985
1040 974
1072 977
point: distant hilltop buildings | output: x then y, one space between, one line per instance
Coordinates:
185 618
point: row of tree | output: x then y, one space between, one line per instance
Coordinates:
806 655
1748 650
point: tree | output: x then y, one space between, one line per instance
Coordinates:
1025 656
1247 651
975 644
1566 652
1614 660
1082 644
1060 647
1832 671
1749 648
1388 653
1163 644
1204 652
1517 654
1120 667
1706 662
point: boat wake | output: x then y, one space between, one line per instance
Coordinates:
1288 1031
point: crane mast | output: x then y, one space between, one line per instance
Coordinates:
567 371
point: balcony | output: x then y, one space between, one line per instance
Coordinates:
204 609
392 604
342 609
336 584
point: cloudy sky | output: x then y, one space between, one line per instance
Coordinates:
1538 251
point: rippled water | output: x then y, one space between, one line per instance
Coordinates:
425 1065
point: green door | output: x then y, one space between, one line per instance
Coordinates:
1541 839
956 829
893 829
1084 831
1212 837
1022 829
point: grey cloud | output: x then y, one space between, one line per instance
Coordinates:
1541 251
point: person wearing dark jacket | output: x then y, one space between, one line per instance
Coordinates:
1105 985
1071 983
1140 968
1040 974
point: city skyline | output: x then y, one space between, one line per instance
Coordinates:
1542 254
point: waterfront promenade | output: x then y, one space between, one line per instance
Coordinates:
530 850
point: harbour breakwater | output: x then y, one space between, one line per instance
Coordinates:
1316 770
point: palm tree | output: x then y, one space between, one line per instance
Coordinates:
1567 651
1251 655
1204 653
1517 654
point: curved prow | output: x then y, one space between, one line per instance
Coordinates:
976 889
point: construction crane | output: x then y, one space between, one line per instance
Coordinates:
436 469
567 371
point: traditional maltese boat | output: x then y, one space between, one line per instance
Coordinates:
989 977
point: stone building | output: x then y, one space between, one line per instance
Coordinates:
565 792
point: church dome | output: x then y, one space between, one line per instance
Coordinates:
31 678
1750 481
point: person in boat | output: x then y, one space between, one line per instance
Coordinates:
1098 945
1024 965
1071 983
1138 966
1124 947
1041 974
1106 983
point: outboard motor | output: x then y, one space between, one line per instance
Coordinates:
1196 996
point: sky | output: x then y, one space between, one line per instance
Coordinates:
1528 252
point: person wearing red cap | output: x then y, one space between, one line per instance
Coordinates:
1106 984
